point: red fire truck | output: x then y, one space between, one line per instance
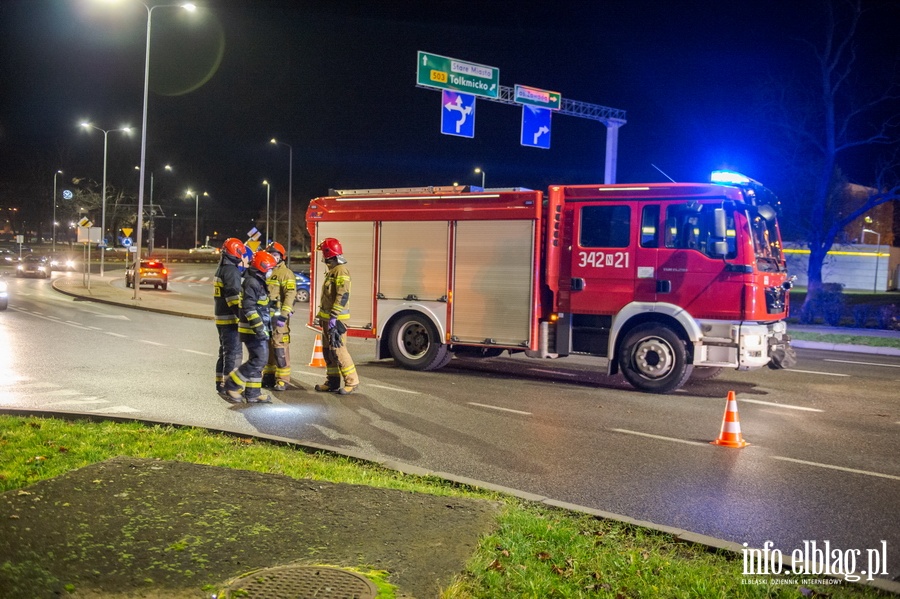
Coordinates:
665 281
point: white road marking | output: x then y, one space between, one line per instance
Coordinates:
194 351
863 363
394 389
552 372
148 342
832 467
779 405
115 334
816 372
661 438
481 405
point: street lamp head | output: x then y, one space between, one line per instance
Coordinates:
168 167
265 182
189 6
477 169
273 141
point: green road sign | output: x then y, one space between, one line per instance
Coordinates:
537 97
448 73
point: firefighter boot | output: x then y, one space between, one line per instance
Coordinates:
331 385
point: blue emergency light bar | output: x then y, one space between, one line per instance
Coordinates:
730 178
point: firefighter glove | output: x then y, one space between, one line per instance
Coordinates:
334 338
280 320
332 323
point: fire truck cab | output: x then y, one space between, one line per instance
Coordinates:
665 281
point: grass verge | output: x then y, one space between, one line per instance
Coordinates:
535 551
846 339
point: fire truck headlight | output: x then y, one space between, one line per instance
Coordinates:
752 341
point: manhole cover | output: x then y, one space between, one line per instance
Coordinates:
302 582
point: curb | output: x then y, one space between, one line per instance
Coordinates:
846 347
134 306
679 534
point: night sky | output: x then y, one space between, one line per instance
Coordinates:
336 80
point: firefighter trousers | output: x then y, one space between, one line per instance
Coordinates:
230 352
338 363
278 367
248 376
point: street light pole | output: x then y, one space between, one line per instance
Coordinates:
481 170
877 249
140 210
268 192
290 195
106 133
54 209
196 195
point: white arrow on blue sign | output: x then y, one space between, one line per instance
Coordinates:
536 127
457 114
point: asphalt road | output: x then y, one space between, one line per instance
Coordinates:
822 466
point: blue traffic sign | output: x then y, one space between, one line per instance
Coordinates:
457 114
127 242
536 127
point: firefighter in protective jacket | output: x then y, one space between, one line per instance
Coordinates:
334 312
227 305
246 380
282 288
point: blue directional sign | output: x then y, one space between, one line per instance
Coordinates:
457 114
536 127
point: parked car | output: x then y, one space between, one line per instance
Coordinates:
302 287
4 295
33 266
204 249
153 272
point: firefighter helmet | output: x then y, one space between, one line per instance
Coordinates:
263 261
233 247
276 247
330 247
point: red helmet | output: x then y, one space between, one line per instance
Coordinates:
276 247
330 247
263 261
233 247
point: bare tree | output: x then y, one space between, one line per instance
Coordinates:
835 118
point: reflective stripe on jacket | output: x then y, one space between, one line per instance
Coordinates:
254 304
282 287
227 292
335 302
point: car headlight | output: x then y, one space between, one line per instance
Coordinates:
3 287
70 264
21 267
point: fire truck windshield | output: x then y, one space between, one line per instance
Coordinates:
766 243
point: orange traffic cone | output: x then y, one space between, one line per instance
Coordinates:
730 435
318 358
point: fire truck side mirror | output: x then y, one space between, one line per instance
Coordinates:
718 243
767 212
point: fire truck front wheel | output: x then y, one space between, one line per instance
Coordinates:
416 345
653 358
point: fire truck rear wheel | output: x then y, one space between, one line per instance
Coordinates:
653 358
415 344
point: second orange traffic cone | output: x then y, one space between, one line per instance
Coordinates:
318 358
730 435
